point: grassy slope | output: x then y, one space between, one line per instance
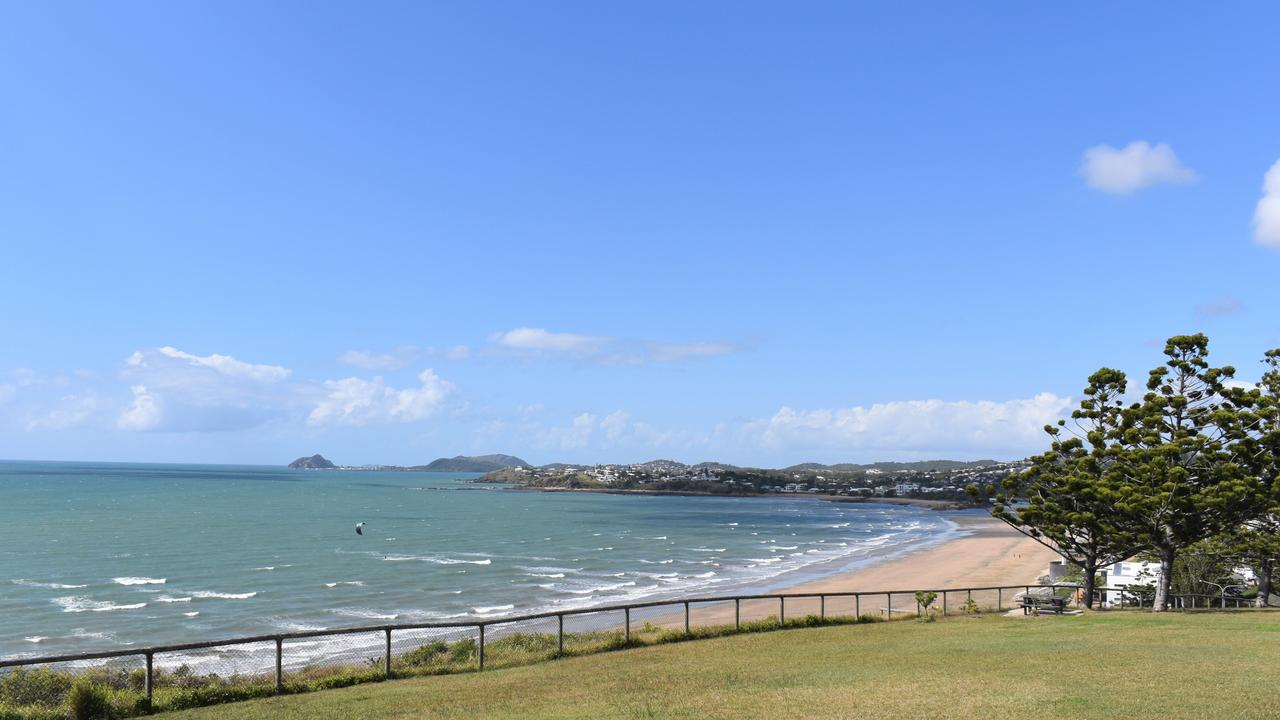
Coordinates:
1119 665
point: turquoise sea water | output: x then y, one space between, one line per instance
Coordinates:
104 556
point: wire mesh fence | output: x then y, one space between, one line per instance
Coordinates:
140 680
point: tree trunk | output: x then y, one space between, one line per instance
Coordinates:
1164 582
1090 579
1263 571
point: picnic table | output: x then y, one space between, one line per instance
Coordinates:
1040 603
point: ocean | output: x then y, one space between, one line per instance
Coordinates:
104 556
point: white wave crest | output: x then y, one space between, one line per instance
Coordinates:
211 595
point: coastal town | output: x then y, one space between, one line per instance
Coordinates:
932 480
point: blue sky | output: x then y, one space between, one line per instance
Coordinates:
757 233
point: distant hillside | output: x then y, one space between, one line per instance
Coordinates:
888 467
478 463
315 462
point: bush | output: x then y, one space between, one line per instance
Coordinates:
31 712
89 701
463 651
41 686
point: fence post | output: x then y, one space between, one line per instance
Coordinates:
279 665
782 609
560 635
737 613
888 607
386 670
999 598
150 679
481 652
686 617
944 603
822 606
627 633
857 605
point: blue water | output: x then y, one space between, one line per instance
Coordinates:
104 556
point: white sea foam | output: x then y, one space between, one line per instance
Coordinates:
602 588
364 613
714 550
266 567
138 581
35 638
169 599
436 560
545 575
493 609
211 595
290 626
47 586
357 583
83 604
193 613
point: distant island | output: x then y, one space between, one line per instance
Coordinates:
315 462
458 463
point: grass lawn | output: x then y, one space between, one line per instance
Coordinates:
1112 665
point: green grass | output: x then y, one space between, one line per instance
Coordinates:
1107 665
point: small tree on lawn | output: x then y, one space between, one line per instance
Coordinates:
1066 499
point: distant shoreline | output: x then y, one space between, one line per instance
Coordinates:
939 505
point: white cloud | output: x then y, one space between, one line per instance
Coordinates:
539 340
457 352
1133 167
355 401
181 392
605 350
613 432
1010 428
1220 308
675 352
396 359
223 364
1266 217
144 413
72 411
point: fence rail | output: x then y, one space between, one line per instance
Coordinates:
577 626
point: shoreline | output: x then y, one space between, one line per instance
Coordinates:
939 505
986 552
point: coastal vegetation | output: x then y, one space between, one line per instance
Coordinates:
957 667
1192 466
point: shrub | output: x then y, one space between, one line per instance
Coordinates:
463 651
41 686
428 654
88 700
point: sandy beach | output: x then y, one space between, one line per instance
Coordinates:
991 553
988 554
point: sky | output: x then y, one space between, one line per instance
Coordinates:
758 233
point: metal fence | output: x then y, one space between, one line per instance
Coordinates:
244 667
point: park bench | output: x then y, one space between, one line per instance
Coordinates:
1055 605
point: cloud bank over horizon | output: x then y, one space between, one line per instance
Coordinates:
179 393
